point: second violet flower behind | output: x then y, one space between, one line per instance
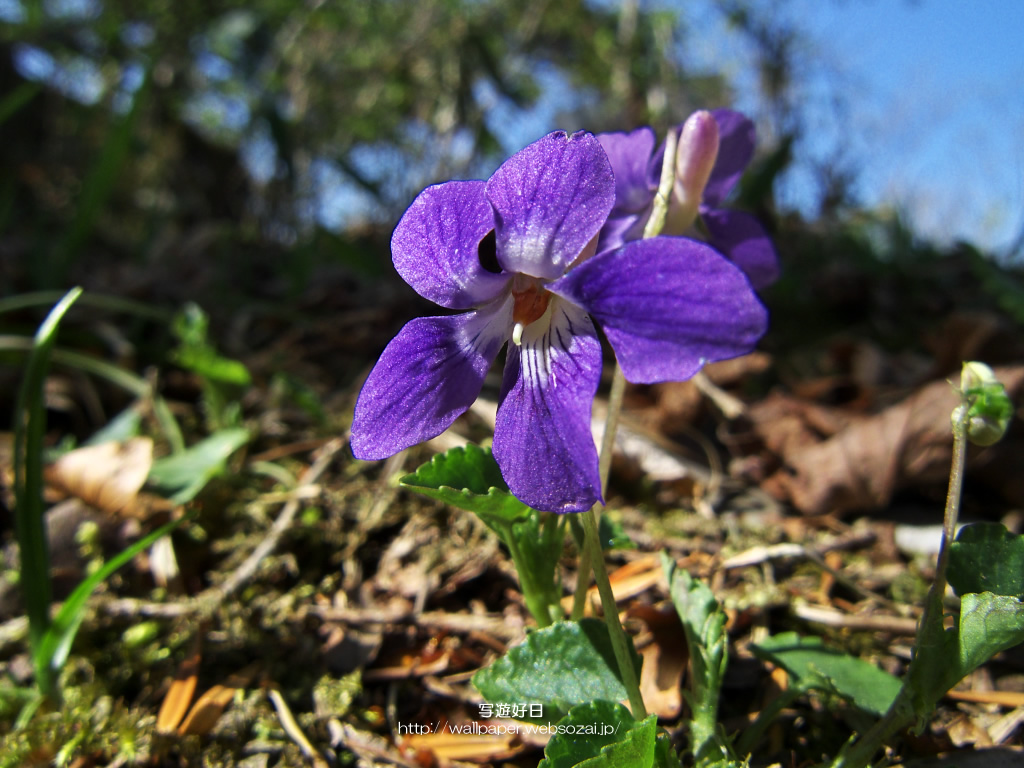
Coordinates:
517 252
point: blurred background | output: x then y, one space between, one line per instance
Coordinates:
254 157
157 137
223 179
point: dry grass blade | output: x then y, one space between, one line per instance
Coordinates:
179 695
211 705
284 714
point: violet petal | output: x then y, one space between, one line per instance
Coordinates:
549 200
736 140
435 245
668 305
741 237
428 375
542 438
629 155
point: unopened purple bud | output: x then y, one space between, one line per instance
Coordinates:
695 157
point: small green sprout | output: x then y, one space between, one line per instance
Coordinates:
989 409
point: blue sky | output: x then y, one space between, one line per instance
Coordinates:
935 91
932 95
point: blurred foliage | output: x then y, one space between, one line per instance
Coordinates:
230 153
166 127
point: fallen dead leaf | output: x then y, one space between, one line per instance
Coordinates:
664 661
107 476
631 579
864 461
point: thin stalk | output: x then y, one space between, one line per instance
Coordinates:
592 549
127 380
620 643
579 598
858 753
611 425
536 601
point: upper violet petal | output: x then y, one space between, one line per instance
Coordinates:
736 139
629 155
435 246
549 201
741 237
428 375
542 438
668 305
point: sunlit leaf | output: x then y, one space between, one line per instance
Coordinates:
560 666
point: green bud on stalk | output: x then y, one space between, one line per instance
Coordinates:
989 409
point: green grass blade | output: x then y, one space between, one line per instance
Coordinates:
29 425
61 632
98 300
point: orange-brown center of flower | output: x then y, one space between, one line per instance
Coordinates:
530 303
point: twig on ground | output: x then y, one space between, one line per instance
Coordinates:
731 407
287 719
897 625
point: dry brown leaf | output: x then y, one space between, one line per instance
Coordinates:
661 674
107 476
631 579
869 458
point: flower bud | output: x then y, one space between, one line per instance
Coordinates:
989 409
695 157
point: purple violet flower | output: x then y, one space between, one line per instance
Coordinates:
714 150
516 253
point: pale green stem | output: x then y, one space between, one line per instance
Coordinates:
536 600
592 549
620 643
611 424
858 753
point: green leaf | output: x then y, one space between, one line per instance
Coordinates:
29 426
127 424
469 478
665 755
183 475
988 624
560 666
196 353
987 558
57 642
814 666
601 733
704 624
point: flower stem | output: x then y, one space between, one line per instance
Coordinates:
620 643
592 555
912 703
